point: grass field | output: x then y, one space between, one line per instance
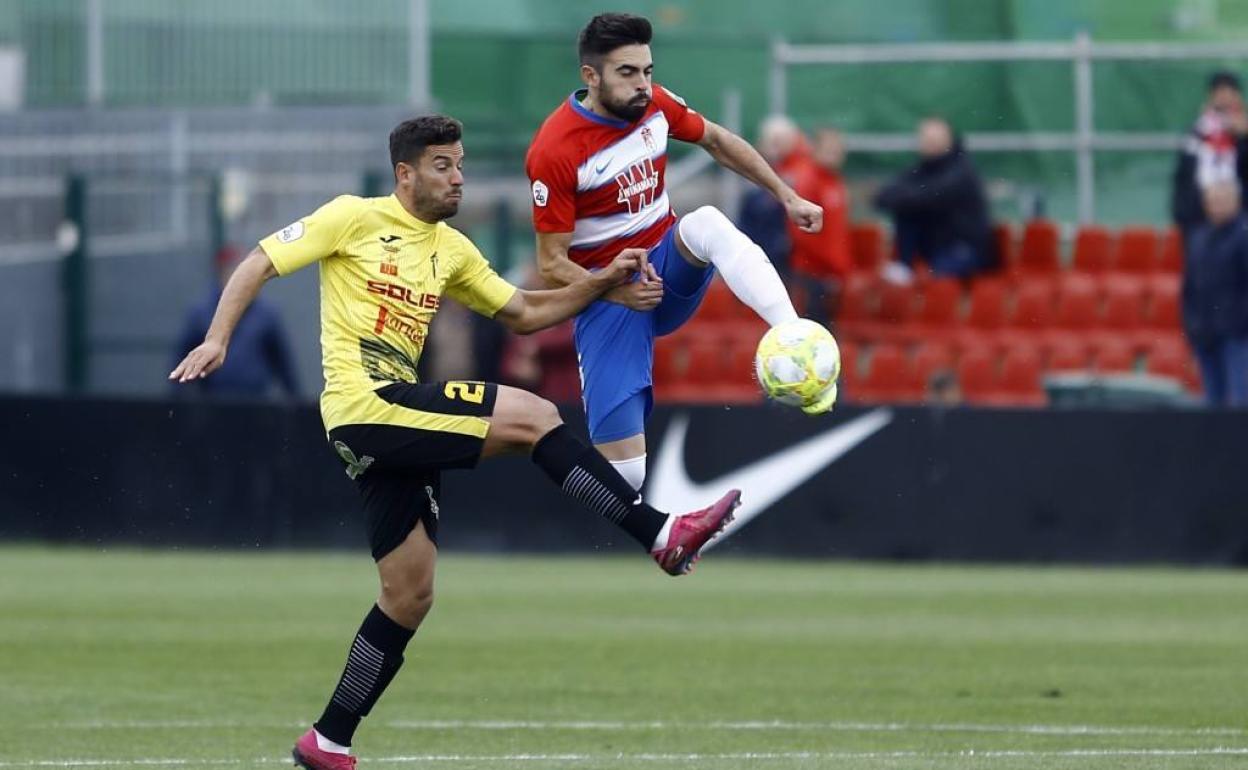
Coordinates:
167 659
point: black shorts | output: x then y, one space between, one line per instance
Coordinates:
413 433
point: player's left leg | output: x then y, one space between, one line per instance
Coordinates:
707 237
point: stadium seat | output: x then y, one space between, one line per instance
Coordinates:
886 376
898 304
1039 255
1114 357
706 365
1171 252
1067 355
977 374
849 380
1137 251
1020 378
668 365
1174 361
1007 253
987 311
929 358
1122 317
1033 311
717 304
1076 309
939 306
1093 247
867 243
1162 307
860 301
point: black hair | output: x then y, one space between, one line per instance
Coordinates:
608 31
409 139
1224 78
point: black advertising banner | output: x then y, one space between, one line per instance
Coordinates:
899 483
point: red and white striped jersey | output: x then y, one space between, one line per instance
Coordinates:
601 179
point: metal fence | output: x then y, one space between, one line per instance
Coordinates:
1082 53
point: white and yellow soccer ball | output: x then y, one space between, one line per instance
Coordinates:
797 364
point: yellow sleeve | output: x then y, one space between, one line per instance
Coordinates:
475 283
314 237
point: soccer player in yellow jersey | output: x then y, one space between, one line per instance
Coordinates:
385 264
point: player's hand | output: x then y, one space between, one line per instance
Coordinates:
807 216
1237 122
200 362
625 265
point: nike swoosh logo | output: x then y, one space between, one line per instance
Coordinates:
762 482
603 167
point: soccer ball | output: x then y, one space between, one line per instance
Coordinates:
797 363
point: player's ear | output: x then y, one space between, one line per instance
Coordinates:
590 76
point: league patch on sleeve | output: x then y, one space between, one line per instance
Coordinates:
290 233
678 100
540 193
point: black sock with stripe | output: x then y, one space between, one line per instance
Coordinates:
374 659
585 475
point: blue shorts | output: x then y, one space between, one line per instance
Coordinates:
615 345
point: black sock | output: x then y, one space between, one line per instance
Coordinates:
586 476
375 657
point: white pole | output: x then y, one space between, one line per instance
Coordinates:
729 182
419 55
95 52
1085 166
777 85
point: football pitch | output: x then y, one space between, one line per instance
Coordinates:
133 659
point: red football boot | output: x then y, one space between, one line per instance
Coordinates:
691 531
308 754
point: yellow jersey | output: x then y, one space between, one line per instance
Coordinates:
383 275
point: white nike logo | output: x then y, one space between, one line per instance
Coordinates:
603 167
763 482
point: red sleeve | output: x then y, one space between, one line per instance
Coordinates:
552 185
684 123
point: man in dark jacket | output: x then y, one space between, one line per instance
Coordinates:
1215 296
939 208
260 354
1216 150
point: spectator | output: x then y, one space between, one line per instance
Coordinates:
939 209
259 354
761 216
1215 295
821 261
1216 150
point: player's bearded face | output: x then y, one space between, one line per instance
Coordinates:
624 88
437 182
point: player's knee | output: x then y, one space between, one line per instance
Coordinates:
544 418
407 601
704 231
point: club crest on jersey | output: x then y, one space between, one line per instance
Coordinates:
637 185
647 136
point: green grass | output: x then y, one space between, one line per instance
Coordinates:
219 660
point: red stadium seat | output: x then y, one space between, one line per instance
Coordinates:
1020 378
939 305
897 304
1077 305
987 312
1114 357
1162 307
977 374
668 365
1124 306
1068 355
886 376
867 245
1174 361
929 359
740 364
717 304
861 299
1033 307
1093 247
1172 251
1007 252
1137 252
1040 248
849 380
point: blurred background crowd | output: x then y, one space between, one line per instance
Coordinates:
1056 221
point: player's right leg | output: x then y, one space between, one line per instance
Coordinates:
522 421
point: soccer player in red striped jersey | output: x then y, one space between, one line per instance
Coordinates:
596 167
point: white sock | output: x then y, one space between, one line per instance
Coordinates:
660 542
633 470
747 271
325 744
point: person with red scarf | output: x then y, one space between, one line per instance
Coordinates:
1215 151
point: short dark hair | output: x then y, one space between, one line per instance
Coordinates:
1224 78
409 139
608 31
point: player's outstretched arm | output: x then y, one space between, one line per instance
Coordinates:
239 292
530 311
557 269
735 154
